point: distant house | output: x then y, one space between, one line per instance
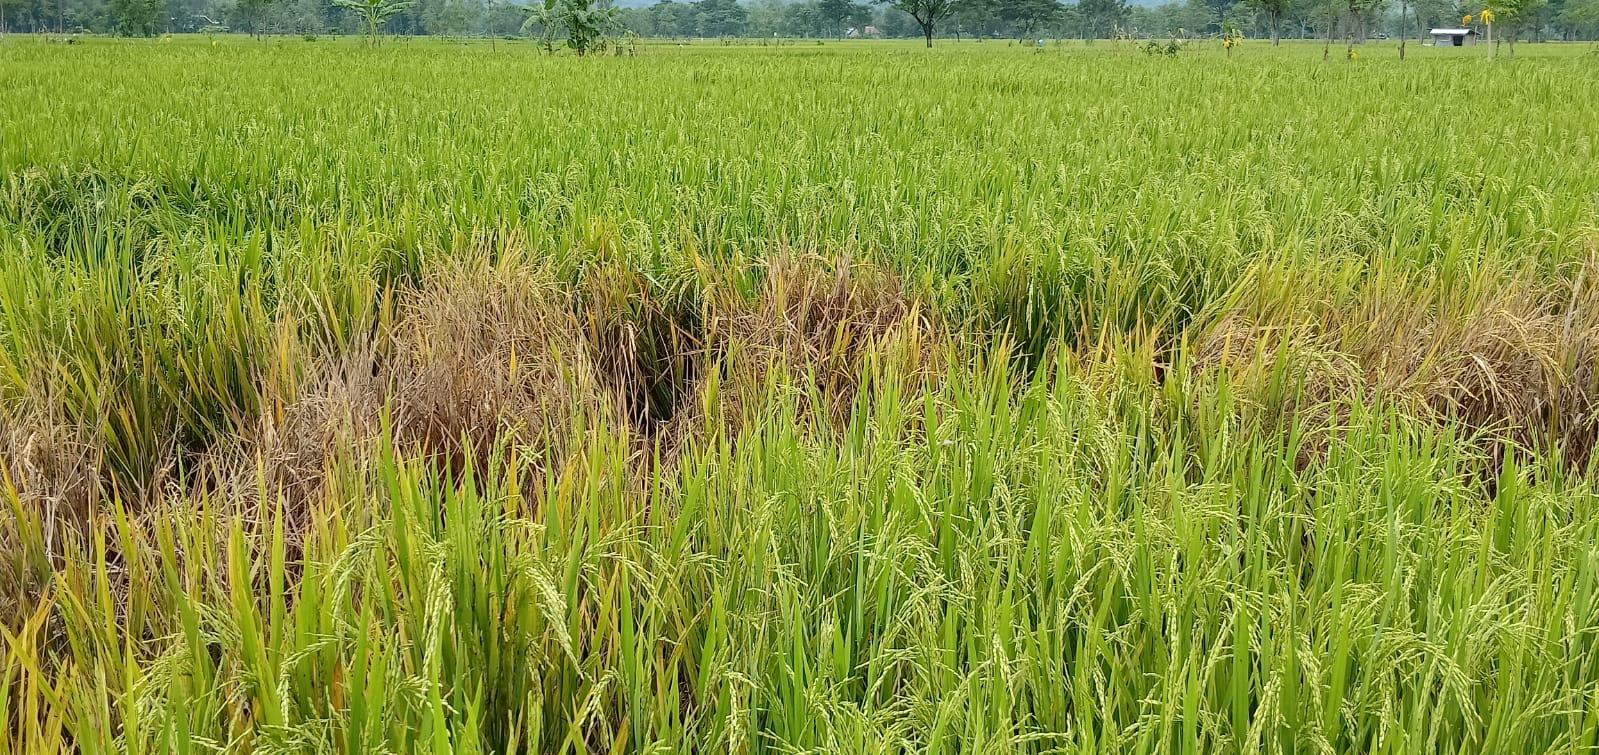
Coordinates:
1453 37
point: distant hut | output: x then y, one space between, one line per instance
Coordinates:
1454 37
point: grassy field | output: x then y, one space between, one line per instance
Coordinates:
804 398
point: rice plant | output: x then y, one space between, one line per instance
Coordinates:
427 397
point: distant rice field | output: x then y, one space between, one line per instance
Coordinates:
845 397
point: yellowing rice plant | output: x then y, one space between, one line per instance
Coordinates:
423 397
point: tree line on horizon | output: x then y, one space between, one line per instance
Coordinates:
816 19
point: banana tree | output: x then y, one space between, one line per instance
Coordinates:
374 12
584 25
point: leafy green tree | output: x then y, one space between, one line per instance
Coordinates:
975 17
1356 22
136 17
192 15
583 23
373 13
896 23
1171 19
929 14
1580 18
1274 10
673 19
1024 17
1512 17
1433 13
1101 17
720 18
309 16
253 13
765 18
636 19
499 19
1219 10
446 17
836 11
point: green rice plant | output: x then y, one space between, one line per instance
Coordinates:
1001 402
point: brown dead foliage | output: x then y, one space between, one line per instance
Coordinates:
480 357
645 348
50 471
820 330
1508 356
49 464
477 356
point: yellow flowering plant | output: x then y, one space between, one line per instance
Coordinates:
1487 16
1232 37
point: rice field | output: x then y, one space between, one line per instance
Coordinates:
845 397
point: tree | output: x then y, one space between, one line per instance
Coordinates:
3 4
253 12
1100 17
835 11
1026 16
1274 10
1171 19
447 17
1359 14
1404 31
720 18
896 23
765 18
1219 10
1231 36
583 23
373 13
977 17
1580 17
1514 16
1434 13
928 13
636 19
672 19
309 16
137 17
